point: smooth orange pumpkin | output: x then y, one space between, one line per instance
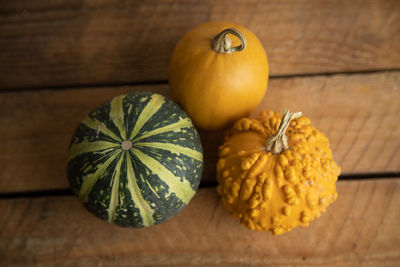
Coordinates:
218 73
276 177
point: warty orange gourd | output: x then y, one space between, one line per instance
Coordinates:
276 173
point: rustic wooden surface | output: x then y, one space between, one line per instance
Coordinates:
336 61
70 42
361 227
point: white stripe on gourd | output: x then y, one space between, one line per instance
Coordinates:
83 147
117 114
149 110
151 188
100 127
88 181
176 149
114 191
181 189
146 212
174 127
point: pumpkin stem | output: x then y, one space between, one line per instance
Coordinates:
278 142
221 43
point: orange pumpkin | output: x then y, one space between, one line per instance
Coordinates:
218 73
276 173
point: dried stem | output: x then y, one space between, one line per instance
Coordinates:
278 142
221 43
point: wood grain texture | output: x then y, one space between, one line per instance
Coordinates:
72 42
360 229
358 113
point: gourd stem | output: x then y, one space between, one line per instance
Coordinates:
221 43
278 142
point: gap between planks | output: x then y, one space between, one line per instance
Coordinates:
203 185
165 82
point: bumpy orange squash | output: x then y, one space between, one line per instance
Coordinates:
276 173
218 73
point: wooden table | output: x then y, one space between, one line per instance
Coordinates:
336 61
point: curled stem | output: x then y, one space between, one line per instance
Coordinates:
221 43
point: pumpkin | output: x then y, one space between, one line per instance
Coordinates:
136 160
218 73
276 172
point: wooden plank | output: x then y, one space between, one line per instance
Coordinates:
361 228
62 43
358 113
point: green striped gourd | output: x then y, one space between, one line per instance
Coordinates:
135 160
